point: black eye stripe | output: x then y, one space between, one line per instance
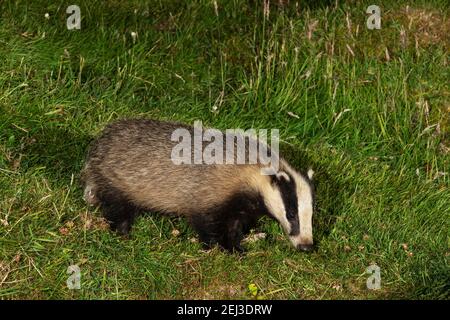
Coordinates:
288 191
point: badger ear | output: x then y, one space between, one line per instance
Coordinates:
279 177
284 175
310 173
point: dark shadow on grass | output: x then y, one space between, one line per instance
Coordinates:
60 150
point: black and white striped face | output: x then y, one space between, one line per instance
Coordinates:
290 202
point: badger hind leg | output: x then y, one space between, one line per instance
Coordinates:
118 210
120 216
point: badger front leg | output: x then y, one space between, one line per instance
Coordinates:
227 232
234 235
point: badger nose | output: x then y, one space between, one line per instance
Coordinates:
305 247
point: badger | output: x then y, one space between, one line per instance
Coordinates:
129 169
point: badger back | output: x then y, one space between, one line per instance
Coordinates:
135 157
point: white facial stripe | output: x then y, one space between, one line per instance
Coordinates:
275 204
305 218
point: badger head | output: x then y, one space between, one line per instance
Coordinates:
290 200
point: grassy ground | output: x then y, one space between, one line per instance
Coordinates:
369 109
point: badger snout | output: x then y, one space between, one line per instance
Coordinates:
304 244
305 247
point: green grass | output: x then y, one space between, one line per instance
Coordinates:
368 109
